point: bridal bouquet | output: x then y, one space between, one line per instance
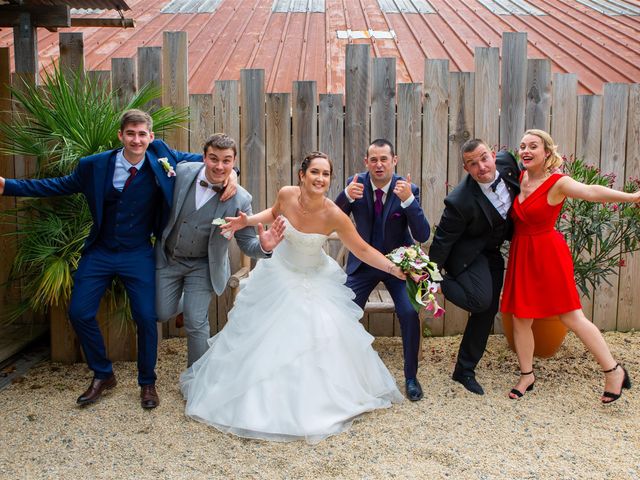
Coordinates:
422 277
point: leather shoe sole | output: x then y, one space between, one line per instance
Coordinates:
469 382
95 390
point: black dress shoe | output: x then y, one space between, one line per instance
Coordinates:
413 389
98 385
149 397
469 382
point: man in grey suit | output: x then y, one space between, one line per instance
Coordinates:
192 255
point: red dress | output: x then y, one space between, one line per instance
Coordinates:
539 281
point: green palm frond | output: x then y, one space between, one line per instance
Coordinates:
65 118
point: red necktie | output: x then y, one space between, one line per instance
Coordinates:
133 171
377 205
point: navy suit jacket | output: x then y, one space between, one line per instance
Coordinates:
401 225
89 178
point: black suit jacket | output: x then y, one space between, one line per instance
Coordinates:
466 226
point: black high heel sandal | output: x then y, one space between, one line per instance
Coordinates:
626 383
518 394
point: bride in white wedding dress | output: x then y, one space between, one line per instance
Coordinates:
293 362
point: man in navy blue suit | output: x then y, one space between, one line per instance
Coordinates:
129 192
387 212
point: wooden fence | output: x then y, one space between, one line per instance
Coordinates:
427 122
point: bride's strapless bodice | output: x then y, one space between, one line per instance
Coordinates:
299 250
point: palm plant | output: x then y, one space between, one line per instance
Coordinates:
64 119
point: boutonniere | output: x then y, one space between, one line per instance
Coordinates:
166 166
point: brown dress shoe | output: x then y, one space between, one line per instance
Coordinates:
98 385
148 396
180 320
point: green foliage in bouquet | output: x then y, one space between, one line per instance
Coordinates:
599 235
64 119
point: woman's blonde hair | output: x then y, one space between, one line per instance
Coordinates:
554 160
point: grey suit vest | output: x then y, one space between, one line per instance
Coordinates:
189 237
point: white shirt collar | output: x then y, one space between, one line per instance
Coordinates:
125 163
487 186
385 189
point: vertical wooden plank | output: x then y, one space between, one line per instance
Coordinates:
383 99
65 347
629 300
538 108
615 108
409 145
356 107
175 77
71 53
25 44
589 128
123 80
100 78
461 118
252 144
200 120
150 71
279 171
461 129
564 112
7 170
227 111
305 121
588 131
331 138
487 99
513 84
120 336
435 141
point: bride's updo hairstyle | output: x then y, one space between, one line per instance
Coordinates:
553 161
307 161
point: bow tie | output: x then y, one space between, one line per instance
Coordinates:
495 184
216 188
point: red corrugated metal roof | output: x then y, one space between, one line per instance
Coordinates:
304 46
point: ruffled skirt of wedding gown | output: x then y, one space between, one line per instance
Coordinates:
293 362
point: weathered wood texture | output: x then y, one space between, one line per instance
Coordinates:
538 104
427 122
487 97
615 107
514 88
150 71
175 77
72 52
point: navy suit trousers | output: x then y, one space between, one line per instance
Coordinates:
363 281
96 270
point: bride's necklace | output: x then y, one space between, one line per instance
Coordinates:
306 211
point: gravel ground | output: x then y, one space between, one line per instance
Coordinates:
558 431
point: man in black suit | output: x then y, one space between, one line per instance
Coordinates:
467 242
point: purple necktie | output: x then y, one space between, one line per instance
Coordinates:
377 205
132 173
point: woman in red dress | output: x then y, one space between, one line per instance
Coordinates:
539 279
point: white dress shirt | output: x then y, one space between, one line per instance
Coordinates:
500 199
121 172
203 194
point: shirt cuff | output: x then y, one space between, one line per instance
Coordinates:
351 200
265 251
408 201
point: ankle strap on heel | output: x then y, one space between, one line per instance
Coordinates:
611 369
526 373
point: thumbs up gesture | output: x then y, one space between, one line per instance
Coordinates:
355 190
403 188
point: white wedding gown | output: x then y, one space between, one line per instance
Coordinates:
293 362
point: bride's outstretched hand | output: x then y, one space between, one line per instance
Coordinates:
397 272
233 225
269 239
